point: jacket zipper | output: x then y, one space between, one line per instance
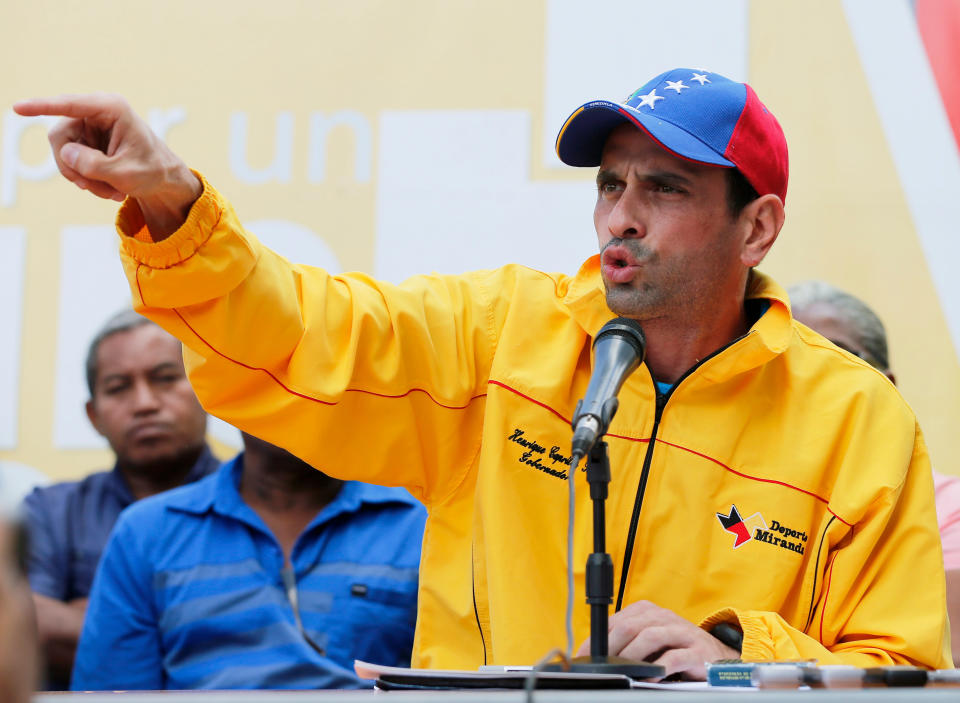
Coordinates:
641 489
476 611
661 403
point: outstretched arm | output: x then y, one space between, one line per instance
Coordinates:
290 353
103 146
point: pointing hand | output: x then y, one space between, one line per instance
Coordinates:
103 146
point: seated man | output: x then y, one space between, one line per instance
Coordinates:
141 402
850 324
267 574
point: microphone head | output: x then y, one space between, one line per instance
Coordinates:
628 330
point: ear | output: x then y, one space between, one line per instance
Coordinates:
763 219
92 415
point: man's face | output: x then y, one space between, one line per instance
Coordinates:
669 245
142 402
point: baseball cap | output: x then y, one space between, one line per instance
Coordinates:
693 114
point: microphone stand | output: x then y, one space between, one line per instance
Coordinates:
619 349
599 584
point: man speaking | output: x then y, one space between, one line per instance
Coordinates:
761 478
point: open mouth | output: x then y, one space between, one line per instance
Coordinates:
618 265
618 256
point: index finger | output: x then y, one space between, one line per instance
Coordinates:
90 105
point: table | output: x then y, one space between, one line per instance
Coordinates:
872 695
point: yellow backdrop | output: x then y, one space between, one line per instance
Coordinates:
393 137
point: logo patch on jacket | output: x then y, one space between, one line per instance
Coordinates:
755 528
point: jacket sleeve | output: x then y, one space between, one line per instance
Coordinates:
881 596
361 379
119 647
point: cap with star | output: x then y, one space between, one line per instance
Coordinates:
693 114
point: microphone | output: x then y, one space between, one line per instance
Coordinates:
618 350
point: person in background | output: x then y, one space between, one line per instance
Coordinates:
143 405
267 574
849 323
19 652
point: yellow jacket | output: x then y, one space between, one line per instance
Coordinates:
788 488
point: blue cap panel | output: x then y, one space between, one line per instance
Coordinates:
690 113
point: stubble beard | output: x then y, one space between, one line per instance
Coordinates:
640 303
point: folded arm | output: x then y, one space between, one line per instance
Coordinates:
880 596
879 599
59 625
363 380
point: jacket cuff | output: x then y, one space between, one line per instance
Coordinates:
137 243
757 643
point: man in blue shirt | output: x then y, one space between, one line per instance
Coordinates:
142 403
267 574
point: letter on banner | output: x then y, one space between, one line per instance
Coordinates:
12 168
281 169
320 127
13 242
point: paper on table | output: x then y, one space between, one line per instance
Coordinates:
497 677
691 686
366 670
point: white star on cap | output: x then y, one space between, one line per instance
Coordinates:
676 85
701 78
650 99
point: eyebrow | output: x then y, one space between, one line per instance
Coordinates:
606 175
667 177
